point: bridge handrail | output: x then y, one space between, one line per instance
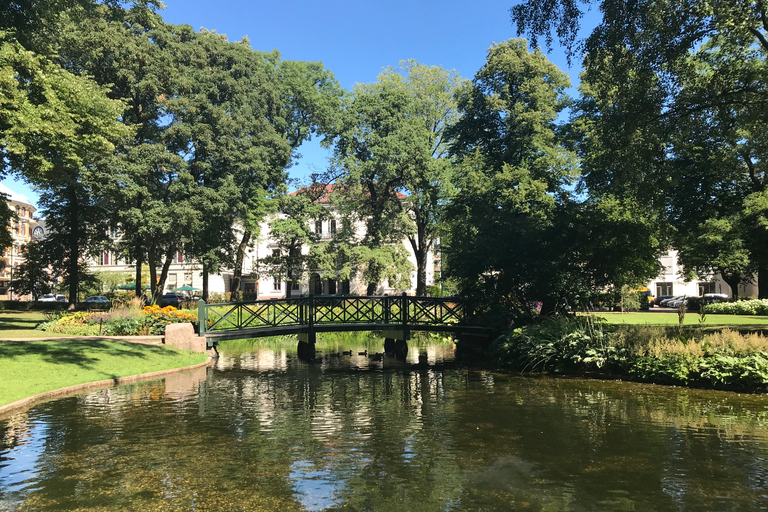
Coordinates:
394 310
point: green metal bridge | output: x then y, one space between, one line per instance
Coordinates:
396 316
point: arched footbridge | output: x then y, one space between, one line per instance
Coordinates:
395 316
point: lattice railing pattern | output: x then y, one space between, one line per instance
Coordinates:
395 310
434 311
240 316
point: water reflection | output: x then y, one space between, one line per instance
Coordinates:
265 431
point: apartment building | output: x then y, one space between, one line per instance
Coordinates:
186 271
670 281
24 227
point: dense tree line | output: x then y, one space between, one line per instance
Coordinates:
183 140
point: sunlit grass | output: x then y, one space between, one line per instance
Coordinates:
31 367
692 318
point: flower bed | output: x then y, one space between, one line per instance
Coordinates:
123 322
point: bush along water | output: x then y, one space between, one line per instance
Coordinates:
150 320
655 354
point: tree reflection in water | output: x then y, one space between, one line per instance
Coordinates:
265 431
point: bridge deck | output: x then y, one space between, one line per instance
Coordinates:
263 332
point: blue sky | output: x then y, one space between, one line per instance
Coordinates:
355 39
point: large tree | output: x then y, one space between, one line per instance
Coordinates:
58 132
505 241
673 117
306 102
395 174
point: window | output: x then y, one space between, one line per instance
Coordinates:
331 287
706 287
319 227
172 280
23 212
179 257
105 258
663 289
333 227
277 285
188 278
295 285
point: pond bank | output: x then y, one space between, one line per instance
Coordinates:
35 367
724 360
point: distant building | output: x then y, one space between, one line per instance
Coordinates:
670 281
24 227
186 271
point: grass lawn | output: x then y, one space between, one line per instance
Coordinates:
21 324
31 367
691 319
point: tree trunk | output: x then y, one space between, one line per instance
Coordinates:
74 248
237 272
164 273
762 282
138 271
152 261
205 282
733 282
420 246
288 282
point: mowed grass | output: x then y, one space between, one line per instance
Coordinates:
21 324
692 319
31 367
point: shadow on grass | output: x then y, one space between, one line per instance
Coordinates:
82 353
18 323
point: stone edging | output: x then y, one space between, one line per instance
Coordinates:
30 401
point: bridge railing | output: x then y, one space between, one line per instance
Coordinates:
397 310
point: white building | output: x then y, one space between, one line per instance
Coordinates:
670 282
184 271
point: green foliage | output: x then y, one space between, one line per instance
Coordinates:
508 219
33 276
742 307
393 153
577 345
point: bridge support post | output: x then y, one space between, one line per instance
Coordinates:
308 337
202 321
306 351
401 349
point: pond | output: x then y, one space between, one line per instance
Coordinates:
262 430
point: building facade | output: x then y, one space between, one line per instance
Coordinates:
670 282
24 227
185 271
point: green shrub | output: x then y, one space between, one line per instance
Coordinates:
742 307
655 354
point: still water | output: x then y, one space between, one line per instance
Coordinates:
262 430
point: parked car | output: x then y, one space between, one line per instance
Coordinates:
98 300
667 303
658 300
675 302
51 297
711 298
171 299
